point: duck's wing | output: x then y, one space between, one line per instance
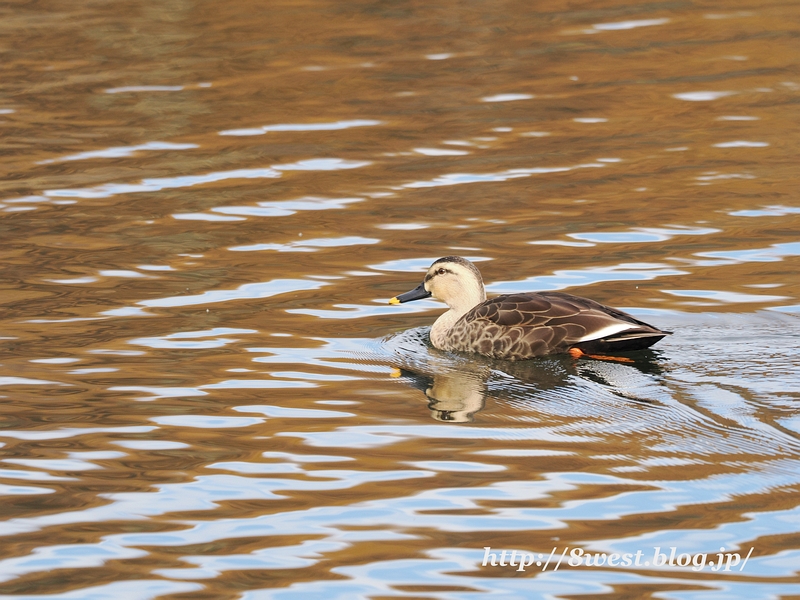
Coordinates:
607 329
519 326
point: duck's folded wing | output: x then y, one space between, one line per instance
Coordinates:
519 326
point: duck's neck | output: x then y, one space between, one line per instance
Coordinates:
441 327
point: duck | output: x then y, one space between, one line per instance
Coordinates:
526 325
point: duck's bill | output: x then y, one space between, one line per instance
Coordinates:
418 293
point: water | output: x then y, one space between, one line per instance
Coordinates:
206 207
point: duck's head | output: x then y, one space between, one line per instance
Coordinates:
453 280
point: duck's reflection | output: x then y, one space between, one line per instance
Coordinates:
456 387
453 396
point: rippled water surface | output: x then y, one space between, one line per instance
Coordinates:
206 206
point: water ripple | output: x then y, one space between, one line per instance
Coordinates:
206 421
563 279
332 126
312 245
68 432
642 234
774 253
625 25
121 151
246 291
108 190
285 208
507 97
775 210
460 178
702 96
189 339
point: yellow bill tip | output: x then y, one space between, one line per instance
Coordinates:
394 301
395 373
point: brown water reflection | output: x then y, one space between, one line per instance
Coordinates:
207 205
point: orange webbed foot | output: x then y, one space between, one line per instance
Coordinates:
578 353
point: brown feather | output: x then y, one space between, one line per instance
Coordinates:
520 326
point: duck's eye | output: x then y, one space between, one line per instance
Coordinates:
441 271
